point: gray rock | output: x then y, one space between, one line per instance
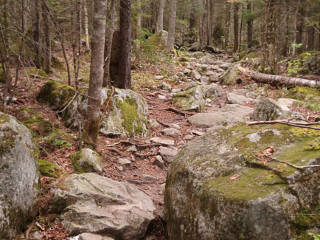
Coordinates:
225 66
19 177
205 80
93 203
128 116
132 148
212 91
168 153
153 123
187 71
233 98
164 141
149 178
172 132
229 114
175 90
124 161
196 75
217 189
268 109
188 137
159 77
91 236
214 78
174 125
86 160
165 86
190 100
162 97
231 76
159 162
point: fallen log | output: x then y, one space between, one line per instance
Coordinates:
277 79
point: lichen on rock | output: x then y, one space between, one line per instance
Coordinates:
218 189
86 160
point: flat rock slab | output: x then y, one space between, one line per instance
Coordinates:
92 203
229 114
164 141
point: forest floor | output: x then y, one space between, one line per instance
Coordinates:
142 171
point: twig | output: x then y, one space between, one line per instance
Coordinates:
295 166
68 104
294 124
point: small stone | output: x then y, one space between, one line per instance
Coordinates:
37 235
159 162
168 153
187 71
162 97
233 98
205 79
124 161
159 77
210 73
132 148
198 133
149 178
196 75
174 125
175 90
171 132
181 143
164 141
120 168
188 137
165 86
153 123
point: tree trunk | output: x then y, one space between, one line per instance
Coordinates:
108 46
209 23
249 25
47 40
123 79
270 55
300 25
36 32
276 79
227 25
236 27
92 124
172 24
86 23
159 26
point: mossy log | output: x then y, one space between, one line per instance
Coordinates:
277 79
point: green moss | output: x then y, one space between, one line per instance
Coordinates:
48 169
7 141
130 116
38 72
57 64
84 166
55 94
306 219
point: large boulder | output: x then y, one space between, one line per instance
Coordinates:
217 187
128 115
96 204
227 115
125 114
269 109
231 76
18 176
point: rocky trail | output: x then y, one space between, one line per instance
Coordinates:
204 95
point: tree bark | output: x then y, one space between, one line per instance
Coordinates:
47 40
236 27
86 23
92 124
227 25
159 26
249 25
108 44
123 79
277 79
172 24
36 32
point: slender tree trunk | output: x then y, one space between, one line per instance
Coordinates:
209 22
109 35
227 25
249 26
159 26
47 40
36 32
270 54
124 66
92 124
236 27
76 44
139 19
172 24
86 23
300 25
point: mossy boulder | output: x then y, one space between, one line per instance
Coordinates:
159 39
231 76
55 94
34 121
192 99
127 116
19 177
48 169
86 160
217 188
